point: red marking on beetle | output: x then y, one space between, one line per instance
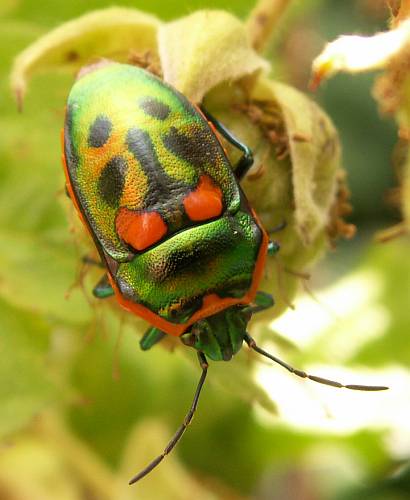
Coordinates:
140 230
205 202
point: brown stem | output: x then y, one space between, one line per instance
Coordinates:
262 21
391 233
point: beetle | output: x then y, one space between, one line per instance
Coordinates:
180 244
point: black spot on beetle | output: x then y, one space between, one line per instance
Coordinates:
198 148
111 181
162 188
100 132
155 108
140 144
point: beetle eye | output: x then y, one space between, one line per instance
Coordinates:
205 202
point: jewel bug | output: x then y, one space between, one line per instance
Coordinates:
180 244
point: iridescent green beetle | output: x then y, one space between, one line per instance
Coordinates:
181 246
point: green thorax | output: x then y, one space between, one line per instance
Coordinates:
172 279
220 336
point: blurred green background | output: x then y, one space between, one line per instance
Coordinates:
82 408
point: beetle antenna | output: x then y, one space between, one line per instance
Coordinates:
278 228
252 344
187 420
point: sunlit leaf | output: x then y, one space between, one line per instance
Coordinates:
392 265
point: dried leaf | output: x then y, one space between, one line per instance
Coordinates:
354 54
315 158
204 49
390 51
112 32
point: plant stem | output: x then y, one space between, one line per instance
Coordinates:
391 233
263 19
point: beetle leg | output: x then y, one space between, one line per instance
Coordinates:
252 344
187 420
92 262
244 164
278 228
246 161
261 302
273 248
151 337
103 289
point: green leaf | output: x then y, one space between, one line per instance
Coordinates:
26 384
36 275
